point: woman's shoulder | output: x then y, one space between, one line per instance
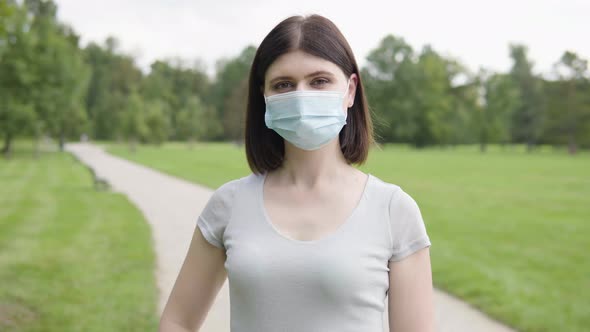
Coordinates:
219 207
393 194
233 186
384 187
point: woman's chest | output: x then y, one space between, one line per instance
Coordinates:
306 222
310 216
342 266
333 276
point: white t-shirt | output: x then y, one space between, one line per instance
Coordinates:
336 283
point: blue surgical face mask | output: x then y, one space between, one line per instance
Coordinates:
307 119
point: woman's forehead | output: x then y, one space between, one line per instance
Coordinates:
299 64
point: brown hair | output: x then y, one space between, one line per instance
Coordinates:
320 37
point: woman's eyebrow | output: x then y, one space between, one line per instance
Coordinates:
315 73
280 78
319 72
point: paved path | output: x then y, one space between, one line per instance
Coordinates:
171 206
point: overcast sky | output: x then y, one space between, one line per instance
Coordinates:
475 32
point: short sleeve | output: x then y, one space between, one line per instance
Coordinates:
216 214
408 232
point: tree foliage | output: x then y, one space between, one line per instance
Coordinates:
568 115
50 85
528 118
500 100
17 114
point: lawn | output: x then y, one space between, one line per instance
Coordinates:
510 230
71 258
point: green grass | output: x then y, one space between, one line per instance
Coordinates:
71 258
209 164
510 230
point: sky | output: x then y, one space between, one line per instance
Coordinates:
475 32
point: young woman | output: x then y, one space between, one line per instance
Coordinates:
308 242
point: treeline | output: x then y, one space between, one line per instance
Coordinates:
424 98
50 85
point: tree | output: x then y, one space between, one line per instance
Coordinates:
61 75
197 121
189 121
113 78
390 76
7 10
416 98
17 114
71 118
134 127
174 83
228 91
16 119
467 102
528 118
234 118
570 111
435 102
501 99
157 121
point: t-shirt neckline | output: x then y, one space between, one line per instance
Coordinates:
349 220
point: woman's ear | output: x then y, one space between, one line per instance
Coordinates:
352 89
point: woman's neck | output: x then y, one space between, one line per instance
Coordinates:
309 168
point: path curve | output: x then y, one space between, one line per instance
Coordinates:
171 206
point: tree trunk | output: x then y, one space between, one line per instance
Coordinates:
571 132
483 139
132 145
62 140
529 145
7 148
572 147
36 147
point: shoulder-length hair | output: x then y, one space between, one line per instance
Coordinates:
320 37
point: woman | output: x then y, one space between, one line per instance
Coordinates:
308 242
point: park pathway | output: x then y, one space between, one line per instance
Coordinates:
171 207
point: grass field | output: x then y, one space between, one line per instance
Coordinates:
71 258
509 230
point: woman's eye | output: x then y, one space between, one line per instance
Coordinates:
282 85
320 82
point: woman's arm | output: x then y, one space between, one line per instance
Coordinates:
411 294
201 277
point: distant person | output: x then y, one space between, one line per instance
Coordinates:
308 242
